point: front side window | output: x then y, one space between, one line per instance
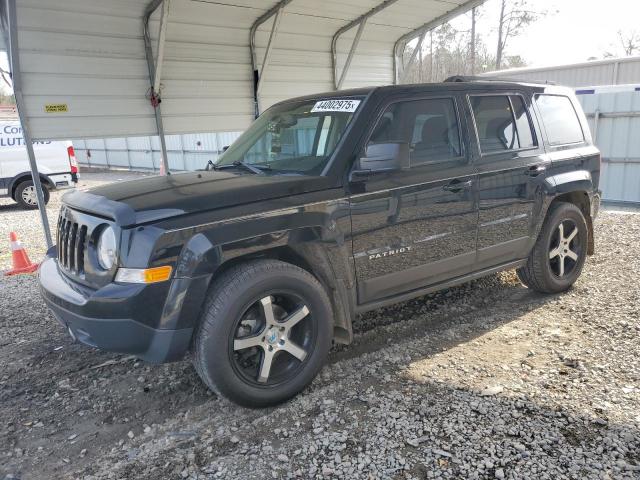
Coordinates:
560 119
293 138
429 128
502 123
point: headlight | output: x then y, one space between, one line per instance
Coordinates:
107 248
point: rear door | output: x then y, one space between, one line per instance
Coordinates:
510 160
417 226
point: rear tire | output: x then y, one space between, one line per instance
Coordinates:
557 258
264 333
25 195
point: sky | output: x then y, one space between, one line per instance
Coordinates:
570 32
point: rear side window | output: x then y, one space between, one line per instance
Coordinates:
502 123
429 128
560 119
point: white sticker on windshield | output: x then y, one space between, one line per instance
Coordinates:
336 106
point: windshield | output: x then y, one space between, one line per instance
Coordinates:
294 138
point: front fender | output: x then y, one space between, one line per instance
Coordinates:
313 236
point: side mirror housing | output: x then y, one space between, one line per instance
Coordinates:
382 158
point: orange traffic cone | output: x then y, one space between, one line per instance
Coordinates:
21 262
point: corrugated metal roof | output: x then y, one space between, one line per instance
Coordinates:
89 55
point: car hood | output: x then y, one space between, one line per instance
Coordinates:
153 198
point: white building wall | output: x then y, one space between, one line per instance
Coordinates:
185 152
614 119
600 72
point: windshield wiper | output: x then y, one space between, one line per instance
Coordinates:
245 165
248 166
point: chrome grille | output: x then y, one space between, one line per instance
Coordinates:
72 245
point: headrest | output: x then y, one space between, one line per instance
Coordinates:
435 131
495 128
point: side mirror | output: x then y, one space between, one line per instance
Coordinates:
382 158
225 148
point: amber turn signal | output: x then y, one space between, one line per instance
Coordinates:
144 275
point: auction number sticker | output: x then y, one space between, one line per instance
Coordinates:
336 106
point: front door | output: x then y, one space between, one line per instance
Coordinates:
416 226
511 163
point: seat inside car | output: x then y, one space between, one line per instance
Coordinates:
434 141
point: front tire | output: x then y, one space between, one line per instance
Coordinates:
557 258
25 195
264 333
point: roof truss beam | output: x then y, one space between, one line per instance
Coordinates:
401 43
414 55
352 52
267 53
275 10
360 22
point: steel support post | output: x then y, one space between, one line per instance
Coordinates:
24 121
154 97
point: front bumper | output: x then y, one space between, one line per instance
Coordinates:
75 308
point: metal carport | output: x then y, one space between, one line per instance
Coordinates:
88 68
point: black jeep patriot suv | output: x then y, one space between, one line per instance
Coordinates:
327 206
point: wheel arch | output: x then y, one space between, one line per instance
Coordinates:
314 260
582 200
25 177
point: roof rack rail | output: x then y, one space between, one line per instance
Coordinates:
476 78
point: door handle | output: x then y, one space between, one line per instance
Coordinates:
456 185
535 170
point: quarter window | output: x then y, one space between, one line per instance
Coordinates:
502 123
560 119
429 128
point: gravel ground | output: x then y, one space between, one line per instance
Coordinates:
487 380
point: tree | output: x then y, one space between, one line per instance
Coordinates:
472 46
6 98
459 48
514 61
630 42
515 15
